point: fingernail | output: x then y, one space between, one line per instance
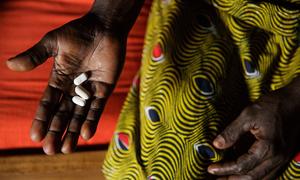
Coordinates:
212 170
85 135
219 142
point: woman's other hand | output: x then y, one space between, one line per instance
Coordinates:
274 122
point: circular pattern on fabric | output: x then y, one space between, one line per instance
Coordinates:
297 159
250 69
157 53
205 151
122 141
152 114
205 86
187 46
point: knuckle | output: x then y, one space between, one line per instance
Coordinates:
95 109
49 43
96 106
54 131
61 114
78 117
74 128
103 90
229 135
248 112
45 103
101 94
240 169
94 114
244 165
34 57
91 120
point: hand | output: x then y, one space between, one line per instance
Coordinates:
82 45
274 124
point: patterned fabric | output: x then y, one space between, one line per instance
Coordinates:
203 62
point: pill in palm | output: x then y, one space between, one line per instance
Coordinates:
79 101
83 93
80 79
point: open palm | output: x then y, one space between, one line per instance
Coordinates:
84 45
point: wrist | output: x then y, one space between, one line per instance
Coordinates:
117 15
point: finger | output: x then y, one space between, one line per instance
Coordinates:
44 113
222 178
69 143
256 154
102 89
233 132
73 131
267 169
50 146
58 125
239 177
89 126
233 177
273 174
62 115
34 56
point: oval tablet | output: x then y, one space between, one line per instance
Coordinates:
79 101
83 93
80 79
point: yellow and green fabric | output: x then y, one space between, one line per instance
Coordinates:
203 62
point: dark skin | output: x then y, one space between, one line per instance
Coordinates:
273 121
95 44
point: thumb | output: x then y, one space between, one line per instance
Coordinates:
232 133
32 57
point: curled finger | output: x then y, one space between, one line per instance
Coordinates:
245 163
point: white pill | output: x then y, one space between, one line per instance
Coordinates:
80 79
78 100
83 93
